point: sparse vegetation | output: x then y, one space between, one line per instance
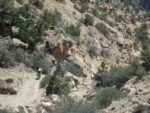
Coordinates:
92 50
141 32
89 20
70 106
119 18
103 16
141 109
142 35
146 59
95 12
128 31
107 95
106 53
73 30
45 81
119 75
103 29
84 7
79 43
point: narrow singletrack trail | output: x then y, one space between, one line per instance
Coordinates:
28 94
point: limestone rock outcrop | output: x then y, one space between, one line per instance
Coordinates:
8 86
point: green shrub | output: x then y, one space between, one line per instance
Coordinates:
92 50
128 31
95 12
107 95
84 7
73 30
25 11
146 59
70 106
85 1
37 3
141 33
119 18
103 29
118 76
103 16
45 81
89 20
78 43
57 83
106 53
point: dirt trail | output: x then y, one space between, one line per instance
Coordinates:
29 94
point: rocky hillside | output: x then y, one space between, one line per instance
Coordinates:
95 56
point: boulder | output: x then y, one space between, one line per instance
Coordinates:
46 105
18 43
22 109
8 86
120 41
75 81
58 46
54 99
90 95
15 29
84 72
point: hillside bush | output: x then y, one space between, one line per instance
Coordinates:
118 76
57 83
73 30
103 29
106 53
84 7
95 12
25 11
71 106
103 16
89 20
107 95
146 59
118 18
92 50
111 22
31 31
128 31
45 81
85 1
37 3
141 33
